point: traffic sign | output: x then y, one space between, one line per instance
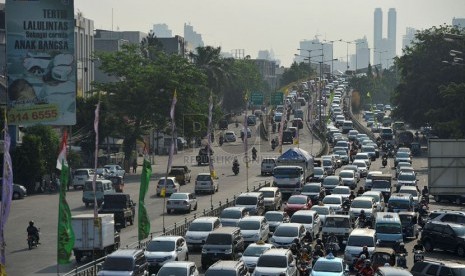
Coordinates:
277 98
256 98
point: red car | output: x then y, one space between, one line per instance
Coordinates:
296 203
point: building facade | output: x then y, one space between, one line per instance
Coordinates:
408 38
162 31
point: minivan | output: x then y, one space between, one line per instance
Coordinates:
224 243
125 262
401 202
80 176
268 165
199 229
388 228
253 202
205 183
102 187
359 238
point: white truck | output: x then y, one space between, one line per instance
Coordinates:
446 169
292 168
94 237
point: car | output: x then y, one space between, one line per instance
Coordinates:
353 168
323 211
344 157
319 173
275 218
298 123
103 172
406 179
251 120
205 183
414 192
352 134
178 268
331 182
405 149
37 64
400 165
253 252
229 136
368 148
19 191
171 186
199 229
80 176
181 202
365 157
362 167
309 219
445 236
249 133
348 179
296 203
402 157
277 261
437 268
226 267
330 265
182 174
379 199
360 203
224 243
273 197
125 262
231 216
358 238
313 190
254 229
253 202
162 249
368 179
115 170
344 191
452 216
268 165
181 143
285 233
334 202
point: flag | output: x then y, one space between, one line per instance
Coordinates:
143 218
7 194
65 232
94 179
210 115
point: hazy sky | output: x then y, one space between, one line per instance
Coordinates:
279 25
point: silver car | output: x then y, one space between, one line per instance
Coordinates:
181 202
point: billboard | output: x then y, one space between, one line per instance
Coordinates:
41 64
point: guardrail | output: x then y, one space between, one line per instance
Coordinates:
177 229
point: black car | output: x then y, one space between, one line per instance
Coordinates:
445 236
437 267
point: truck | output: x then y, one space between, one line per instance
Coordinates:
382 183
404 138
292 168
121 206
95 238
446 169
182 174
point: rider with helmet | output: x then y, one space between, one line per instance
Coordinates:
360 262
402 249
351 196
367 269
423 210
418 246
364 252
33 231
319 251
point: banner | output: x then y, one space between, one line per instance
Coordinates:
94 179
65 232
7 193
143 217
210 116
40 62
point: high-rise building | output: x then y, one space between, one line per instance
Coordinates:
409 36
162 30
362 53
384 48
378 30
315 46
391 34
459 22
192 38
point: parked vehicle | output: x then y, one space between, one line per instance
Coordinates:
121 206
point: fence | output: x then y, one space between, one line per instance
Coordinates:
177 229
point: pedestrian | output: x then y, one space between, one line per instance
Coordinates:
134 165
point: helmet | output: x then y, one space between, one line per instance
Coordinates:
402 245
304 250
296 240
367 262
31 223
317 247
365 247
363 257
362 212
424 208
318 241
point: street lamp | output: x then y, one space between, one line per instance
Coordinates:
380 54
332 54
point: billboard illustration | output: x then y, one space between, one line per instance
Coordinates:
41 64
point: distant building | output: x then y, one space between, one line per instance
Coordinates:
267 69
384 48
362 53
313 48
133 37
84 49
459 22
192 38
162 31
265 54
173 45
391 34
408 38
377 30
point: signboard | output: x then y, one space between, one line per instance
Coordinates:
256 98
40 62
277 98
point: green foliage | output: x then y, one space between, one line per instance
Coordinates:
426 93
49 145
296 72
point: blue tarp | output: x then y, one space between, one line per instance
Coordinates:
295 154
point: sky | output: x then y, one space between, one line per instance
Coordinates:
276 25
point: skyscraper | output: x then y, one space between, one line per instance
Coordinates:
362 56
378 31
391 35
458 22
162 30
384 48
408 37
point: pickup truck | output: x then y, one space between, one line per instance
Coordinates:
203 157
181 173
340 225
121 206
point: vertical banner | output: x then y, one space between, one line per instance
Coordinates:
281 128
65 233
94 179
7 194
210 115
246 146
143 217
40 62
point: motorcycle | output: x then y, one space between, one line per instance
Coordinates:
401 261
273 144
235 169
32 241
254 156
418 256
304 267
332 247
221 140
384 162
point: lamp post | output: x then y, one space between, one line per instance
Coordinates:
332 54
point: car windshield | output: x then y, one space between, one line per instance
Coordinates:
272 261
360 241
268 194
318 171
331 181
346 174
340 191
364 204
273 216
179 196
332 200
161 246
402 154
388 228
375 196
286 173
337 222
171 271
200 226
81 172
360 164
406 219
297 200
118 264
327 162
219 239
203 177
246 200
255 251
399 204
304 219
341 153
249 225
380 184
321 210
327 267
231 214
283 231
311 189
406 177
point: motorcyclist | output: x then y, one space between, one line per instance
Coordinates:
273 144
346 204
360 262
305 255
367 269
235 164
254 153
332 244
320 243
308 237
33 231
402 249
221 140
362 216
423 211
425 191
318 251
364 252
360 191
418 246
351 196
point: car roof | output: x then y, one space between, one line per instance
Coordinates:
125 252
305 212
350 171
262 189
225 264
253 218
363 232
179 264
299 196
363 198
203 174
276 251
291 224
166 238
235 208
254 194
404 187
329 196
400 195
205 219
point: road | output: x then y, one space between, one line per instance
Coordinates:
43 208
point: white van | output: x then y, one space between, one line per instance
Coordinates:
102 187
388 229
80 176
204 183
346 126
358 238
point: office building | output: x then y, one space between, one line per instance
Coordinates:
408 38
162 31
384 48
459 22
192 38
362 53
316 54
391 35
378 30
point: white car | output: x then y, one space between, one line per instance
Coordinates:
359 238
378 197
344 191
254 229
362 167
230 136
199 229
275 218
348 179
115 170
285 234
368 179
334 202
363 156
353 168
322 211
413 191
310 220
178 268
232 215
253 252
360 203
276 262
171 186
163 249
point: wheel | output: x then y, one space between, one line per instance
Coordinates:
16 195
461 251
428 245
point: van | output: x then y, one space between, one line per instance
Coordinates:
80 176
388 227
102 188
253 202
224 243
205 183
299 113
125 262
346 126
268 165
359 238
273 198
401 202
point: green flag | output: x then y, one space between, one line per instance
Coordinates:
368 94
65 242
143 219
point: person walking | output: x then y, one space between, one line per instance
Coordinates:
134 165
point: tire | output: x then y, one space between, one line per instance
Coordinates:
461 251
428 245
187 257
16 195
